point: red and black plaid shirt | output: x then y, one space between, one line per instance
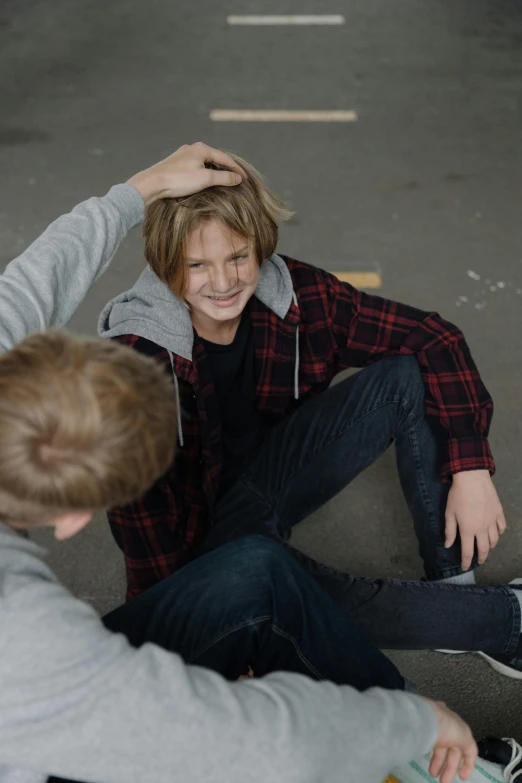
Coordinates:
339 327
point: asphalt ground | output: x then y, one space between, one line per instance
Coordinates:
424 190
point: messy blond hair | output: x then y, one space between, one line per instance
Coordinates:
85 424
249 209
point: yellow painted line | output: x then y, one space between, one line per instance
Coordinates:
360 279
280 19
271 115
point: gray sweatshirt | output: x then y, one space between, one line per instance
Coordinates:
77 701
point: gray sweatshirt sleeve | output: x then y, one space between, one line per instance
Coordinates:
44 286
78 701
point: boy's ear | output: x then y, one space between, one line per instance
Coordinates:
68 525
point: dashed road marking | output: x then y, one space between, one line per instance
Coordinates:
272 115
279 19
360 279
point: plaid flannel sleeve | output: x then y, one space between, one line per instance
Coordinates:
367 328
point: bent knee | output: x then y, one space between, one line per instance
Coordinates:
253 557
405 374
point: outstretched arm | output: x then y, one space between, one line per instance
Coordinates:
77 701
45 285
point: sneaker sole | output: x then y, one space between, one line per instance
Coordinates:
499 667
453 652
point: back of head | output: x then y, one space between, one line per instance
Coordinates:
85 424
249 209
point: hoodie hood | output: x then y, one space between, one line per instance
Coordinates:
152 311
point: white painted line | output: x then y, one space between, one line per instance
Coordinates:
276 19
360 279
271 115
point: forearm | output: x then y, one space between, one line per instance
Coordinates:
368 328
149 717
457 399
45 285
77 701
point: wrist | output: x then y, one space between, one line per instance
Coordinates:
150 187
433 722
466 476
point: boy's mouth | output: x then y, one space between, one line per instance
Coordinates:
223 301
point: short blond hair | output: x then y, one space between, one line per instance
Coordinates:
249 209
85 424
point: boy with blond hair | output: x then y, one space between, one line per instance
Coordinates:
84 424
252 340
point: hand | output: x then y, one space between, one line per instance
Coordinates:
184 173
455 749
474 509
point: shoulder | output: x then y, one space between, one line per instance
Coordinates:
315 286
310 279
304 274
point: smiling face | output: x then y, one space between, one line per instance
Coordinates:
222 275
207 248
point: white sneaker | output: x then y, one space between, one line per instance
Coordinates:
506 752
511 773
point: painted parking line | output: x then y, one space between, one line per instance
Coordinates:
279 19
271 115
360 279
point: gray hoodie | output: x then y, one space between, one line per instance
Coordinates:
78 701
152 311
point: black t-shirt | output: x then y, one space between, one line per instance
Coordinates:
234 376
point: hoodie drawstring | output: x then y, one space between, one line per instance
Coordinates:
296 368
178 403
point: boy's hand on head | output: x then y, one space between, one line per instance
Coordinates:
184 173
474 510
455 750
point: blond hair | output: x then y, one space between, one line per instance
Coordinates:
85 424
248 209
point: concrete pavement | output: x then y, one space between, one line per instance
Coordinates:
425 189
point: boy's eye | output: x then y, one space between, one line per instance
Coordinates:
195 266
238 258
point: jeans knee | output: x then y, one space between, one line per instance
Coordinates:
404 373
252 559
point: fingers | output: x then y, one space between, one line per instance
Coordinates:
446 763
467 542
451 530
470 754
214 178
494 536
210 155
482 547
452 765
501 523
437 762
455 746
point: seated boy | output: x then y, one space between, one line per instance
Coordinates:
252 340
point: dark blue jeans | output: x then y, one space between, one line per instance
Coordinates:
250 604
322 447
